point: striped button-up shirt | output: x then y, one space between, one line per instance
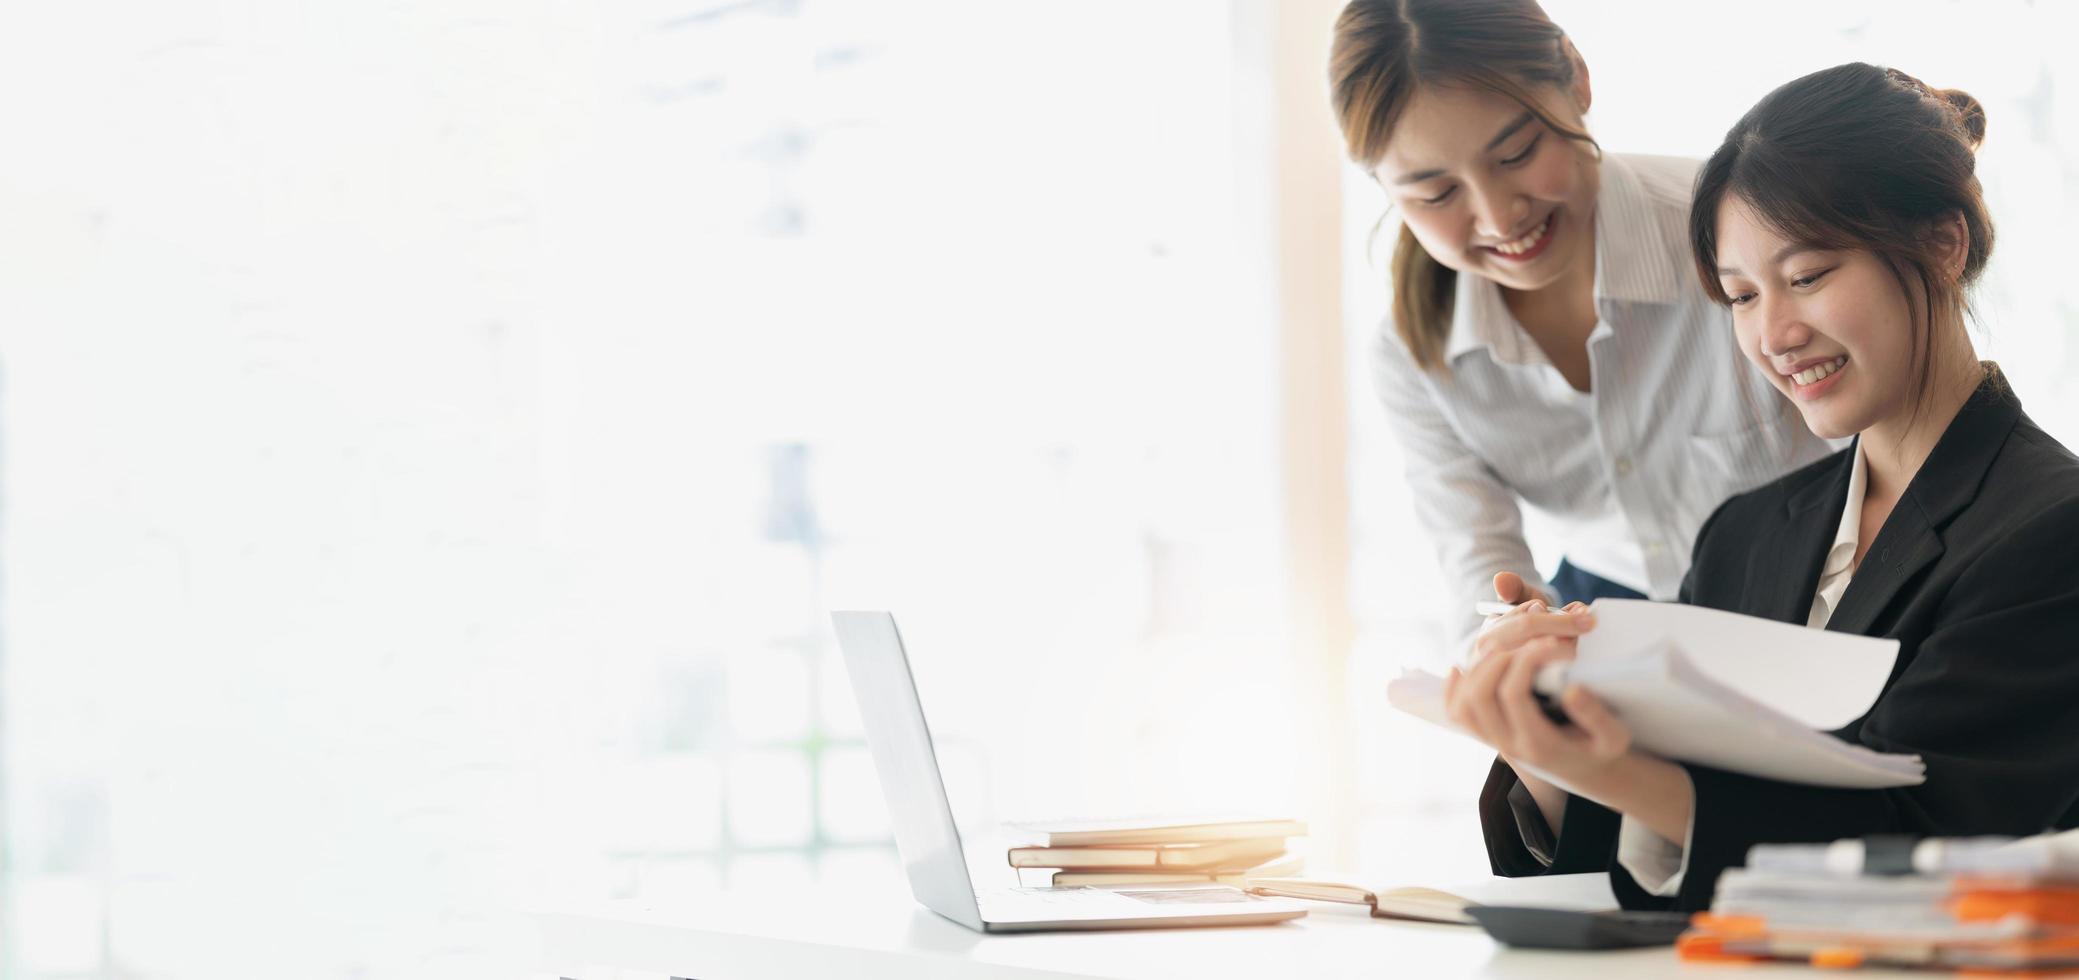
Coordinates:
1675 421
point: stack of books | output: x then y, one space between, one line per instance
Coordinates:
1981 904
1153 851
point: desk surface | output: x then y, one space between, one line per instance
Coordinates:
884 934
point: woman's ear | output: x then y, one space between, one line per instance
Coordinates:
1581 90
1955 237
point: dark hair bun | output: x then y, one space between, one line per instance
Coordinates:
1971 113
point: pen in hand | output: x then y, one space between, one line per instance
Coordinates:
1505 608
1546 703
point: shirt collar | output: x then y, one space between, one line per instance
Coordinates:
1635 258
1480 319
1840 558
1634 262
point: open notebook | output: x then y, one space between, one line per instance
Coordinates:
1734 692
1580 893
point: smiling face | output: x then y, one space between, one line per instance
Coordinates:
1489 190
1831 329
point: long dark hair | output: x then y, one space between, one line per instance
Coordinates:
1858 157
1383 53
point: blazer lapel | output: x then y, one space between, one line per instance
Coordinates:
1947 482
1791 554
1906 544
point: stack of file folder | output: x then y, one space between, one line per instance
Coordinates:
1152 851
1981 904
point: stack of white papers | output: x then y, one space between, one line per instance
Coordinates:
1720 689
1985 904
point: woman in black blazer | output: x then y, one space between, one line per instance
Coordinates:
1842 222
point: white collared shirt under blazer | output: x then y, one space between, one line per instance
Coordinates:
1676 419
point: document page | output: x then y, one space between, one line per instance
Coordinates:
1730 691
1824 680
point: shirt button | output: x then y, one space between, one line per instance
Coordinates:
1654 548
1623 466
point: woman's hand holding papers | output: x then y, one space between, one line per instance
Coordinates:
1492 699
1492 696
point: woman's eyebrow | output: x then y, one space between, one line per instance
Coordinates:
1509 130
1786 252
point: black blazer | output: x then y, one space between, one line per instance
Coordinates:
1975 573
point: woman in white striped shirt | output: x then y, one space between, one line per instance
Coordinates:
1547 345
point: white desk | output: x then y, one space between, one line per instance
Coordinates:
883 934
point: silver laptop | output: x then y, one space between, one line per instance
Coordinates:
930 844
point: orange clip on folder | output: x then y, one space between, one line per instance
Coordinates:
1705 943
2044 906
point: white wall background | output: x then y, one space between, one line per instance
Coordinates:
433 431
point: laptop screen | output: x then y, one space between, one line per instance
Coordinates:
902 754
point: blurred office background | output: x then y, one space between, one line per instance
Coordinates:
431 435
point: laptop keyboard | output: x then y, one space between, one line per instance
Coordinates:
1190 896
1152 896
1052 896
